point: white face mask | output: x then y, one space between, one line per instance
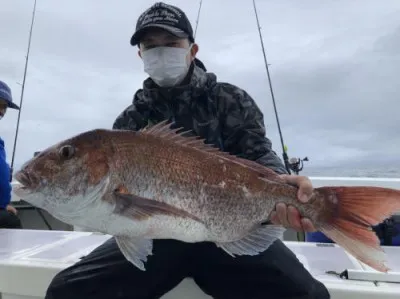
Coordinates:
167 66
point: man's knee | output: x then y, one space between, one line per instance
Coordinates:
276 273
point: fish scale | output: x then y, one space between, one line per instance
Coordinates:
158 184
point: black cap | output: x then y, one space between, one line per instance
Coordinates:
165 16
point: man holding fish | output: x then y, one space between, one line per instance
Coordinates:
178 206
179 89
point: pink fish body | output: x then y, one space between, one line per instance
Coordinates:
158 184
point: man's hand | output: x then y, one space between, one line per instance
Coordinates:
289 217
11 209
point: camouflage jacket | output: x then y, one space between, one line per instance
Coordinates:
221 113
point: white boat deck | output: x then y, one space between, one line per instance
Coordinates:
29 259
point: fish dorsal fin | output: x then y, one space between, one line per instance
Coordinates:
163 130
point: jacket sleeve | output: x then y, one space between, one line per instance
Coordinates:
5 186
243 130
130 118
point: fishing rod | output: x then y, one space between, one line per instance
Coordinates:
294 164
285 156
198 18
23 88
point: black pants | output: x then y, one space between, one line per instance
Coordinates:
105 273
9 220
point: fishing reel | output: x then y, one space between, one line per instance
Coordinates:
296 164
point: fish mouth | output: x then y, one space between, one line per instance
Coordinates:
25 179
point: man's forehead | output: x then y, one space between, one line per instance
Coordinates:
152 34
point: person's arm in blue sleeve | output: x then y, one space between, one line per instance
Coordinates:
5 185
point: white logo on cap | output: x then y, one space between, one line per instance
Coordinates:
164 15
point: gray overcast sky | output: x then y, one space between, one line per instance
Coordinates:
334 67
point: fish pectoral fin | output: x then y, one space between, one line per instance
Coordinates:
135 250
257 241
141 208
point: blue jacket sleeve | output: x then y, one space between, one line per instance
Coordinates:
5 186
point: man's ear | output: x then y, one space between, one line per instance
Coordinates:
194 50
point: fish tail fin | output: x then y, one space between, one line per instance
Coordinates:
355 210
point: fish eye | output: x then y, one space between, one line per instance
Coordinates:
67 151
